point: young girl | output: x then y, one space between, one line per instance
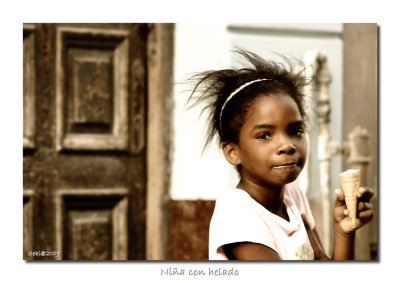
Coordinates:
259 116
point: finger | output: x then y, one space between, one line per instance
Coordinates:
365 194
366 216
364 206
339 198
340 194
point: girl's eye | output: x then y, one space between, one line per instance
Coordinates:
298 132
263 136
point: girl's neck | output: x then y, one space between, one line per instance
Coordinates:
269 197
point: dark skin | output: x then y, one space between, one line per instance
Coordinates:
271 153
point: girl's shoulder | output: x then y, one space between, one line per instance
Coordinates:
238 206
234 197
232 194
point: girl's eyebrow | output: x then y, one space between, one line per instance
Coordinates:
263 126
296 123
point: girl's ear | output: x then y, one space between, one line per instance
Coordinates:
231 153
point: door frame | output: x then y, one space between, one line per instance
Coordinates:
159 136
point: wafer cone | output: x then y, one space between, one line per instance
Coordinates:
350 182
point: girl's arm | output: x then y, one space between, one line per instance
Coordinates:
249 251
343 244
319 253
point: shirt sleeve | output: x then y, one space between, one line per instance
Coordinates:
237 219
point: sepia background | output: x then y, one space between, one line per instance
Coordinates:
113 166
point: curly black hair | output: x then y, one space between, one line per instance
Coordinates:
212 89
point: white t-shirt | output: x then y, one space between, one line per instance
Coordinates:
239 218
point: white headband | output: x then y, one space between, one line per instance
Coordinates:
240 88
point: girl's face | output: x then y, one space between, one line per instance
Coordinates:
272 146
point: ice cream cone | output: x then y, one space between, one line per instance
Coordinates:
350 182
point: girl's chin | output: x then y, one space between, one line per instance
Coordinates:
286 179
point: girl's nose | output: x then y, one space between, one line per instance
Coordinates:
287 147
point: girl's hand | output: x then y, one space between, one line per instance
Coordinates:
365 211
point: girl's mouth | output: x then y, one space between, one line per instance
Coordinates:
288 165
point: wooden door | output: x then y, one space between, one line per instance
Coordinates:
84 141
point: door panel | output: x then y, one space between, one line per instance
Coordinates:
92 96
84 140
92 223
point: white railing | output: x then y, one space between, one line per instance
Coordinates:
322 80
